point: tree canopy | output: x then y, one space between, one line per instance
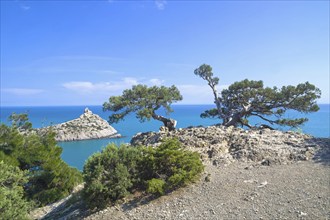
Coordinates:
250 98
49 177
145 101
20 121
12 202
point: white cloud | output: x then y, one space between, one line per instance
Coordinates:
192 94
156 82
22 91
197 94
79 85
130 81
25 7
160 4
89 87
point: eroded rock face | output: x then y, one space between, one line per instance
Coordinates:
223 145
87 126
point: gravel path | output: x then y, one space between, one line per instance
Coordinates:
299 190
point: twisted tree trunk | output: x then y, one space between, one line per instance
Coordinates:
217 100
236 118
168 122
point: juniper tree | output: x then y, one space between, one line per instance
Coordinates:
13 205
20 121
49 177
145 101
250 98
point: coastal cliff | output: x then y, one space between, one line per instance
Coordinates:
87 126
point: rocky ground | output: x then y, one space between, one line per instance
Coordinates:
239 191
220 145
260 174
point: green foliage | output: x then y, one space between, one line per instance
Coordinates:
106 176
211 113
12 202
20 121
143 100
49 177
115 172
9 139
175 165
205 72
156 186
250 98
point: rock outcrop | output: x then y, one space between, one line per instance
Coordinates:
87 126
222 145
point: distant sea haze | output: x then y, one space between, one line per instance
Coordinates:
75 153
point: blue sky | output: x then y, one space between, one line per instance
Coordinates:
83 52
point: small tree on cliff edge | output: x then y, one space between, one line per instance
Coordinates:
249 98
145 101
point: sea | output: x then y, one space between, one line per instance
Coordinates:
75 153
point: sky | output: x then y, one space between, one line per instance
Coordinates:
57 53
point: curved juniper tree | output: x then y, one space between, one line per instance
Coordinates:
250 98
145 101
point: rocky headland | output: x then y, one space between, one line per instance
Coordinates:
87 126
219 145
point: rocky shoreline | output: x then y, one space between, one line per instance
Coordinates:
87 126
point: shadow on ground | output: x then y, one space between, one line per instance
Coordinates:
322 155
75 208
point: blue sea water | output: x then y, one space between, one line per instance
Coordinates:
75 153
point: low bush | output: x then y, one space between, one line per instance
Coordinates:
115 172
176 166
106 177
12 202
156 186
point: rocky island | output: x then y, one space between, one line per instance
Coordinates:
87 126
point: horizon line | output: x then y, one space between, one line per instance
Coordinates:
86 105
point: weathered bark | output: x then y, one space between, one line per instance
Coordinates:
216 98
236 118
263 126
168 122
232 121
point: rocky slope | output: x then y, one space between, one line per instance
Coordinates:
255 174
87 126
291 191
223 145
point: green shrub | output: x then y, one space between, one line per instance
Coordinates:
12 202
107 177
156 186
176 166
116 172
49 177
